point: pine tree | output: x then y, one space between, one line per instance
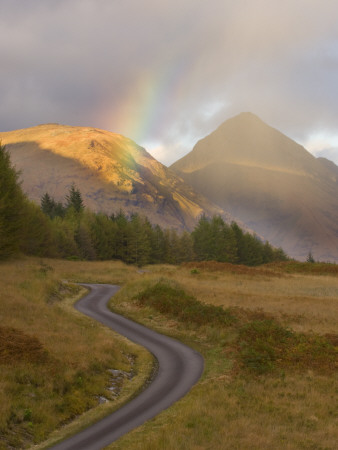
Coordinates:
230 250
122 235
202 239
84 242
74 199
103 232
64 238
52 208
138 242
310 258
47 205
12 207
185 250
157 243
37 233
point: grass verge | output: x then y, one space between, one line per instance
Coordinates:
56 364
265 385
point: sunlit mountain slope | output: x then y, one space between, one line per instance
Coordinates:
111 171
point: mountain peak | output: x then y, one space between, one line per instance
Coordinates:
246 139
244 119
246 115
269 182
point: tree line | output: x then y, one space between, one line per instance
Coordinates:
69 230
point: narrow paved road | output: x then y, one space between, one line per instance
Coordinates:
180 367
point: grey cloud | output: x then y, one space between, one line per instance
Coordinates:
65 60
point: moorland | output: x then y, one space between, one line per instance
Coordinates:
267 333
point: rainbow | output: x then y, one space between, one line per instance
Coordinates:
144 111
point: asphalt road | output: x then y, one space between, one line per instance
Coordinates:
180 367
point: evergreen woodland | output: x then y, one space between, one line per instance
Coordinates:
71 231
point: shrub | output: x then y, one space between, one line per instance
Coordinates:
168 298
264 345
261 343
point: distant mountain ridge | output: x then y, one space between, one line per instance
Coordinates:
269 182
111 171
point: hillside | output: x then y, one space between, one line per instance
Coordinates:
111 171
269 182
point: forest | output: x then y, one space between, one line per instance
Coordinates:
69 230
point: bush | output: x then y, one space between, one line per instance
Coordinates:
261 343
168 298
265 345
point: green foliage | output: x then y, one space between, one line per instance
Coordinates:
37 233
74 199
138 243
12 207
310 258
265 345
69 231
104 236
63 232
52 208
316 268
84 242
169 298
214 240
261 343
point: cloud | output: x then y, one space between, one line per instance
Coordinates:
169 72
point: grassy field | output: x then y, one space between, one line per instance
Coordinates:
55 362
245 400
270 378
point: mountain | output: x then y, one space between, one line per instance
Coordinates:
269 182
111 171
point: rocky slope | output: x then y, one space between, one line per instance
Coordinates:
269 182
111 171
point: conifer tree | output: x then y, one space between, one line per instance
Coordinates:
122 235
185 250
138 242
52 208
74 199
12 207
47 205
38 236
84 242
103 232
202 239
310 258
157 242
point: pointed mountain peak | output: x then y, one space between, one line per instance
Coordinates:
270 182
246 139
244 119
247 120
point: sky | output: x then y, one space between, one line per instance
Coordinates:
166 73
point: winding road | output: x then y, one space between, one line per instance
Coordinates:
180 367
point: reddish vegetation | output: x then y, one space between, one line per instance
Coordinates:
319 268
276 269
18 346
214 266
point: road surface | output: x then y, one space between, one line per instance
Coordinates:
179 368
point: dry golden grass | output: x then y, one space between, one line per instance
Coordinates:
227 409
53 360
303 301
